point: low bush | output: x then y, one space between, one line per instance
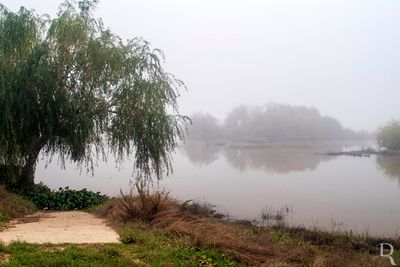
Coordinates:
64 198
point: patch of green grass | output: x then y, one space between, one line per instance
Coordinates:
159 248
22 254
281 237
396 255
143 249
3 219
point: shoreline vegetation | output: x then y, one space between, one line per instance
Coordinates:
155 228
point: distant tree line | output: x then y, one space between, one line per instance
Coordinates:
271 123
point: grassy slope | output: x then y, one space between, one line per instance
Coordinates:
154 248
13 206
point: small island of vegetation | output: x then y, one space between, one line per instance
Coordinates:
271 123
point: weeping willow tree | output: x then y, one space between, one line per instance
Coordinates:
70 87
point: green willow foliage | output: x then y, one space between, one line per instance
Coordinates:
389 136
69 86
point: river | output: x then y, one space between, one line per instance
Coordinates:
361 194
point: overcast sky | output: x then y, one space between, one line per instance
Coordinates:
343 57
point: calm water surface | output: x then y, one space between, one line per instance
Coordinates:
332 193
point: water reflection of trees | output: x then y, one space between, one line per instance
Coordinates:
390 165
274 159
200 153
269 158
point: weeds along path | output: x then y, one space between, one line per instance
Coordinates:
75 227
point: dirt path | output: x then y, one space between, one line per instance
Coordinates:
60 227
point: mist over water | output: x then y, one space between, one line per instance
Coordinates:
341 57
331 193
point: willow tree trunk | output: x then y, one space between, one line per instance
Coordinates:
27 175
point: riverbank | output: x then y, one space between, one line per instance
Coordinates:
156 229
139 247
245 243
363 153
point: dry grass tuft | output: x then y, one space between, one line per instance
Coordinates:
140 203
210 233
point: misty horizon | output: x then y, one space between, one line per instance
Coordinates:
337 56
221 120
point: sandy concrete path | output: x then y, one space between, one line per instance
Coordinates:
60 227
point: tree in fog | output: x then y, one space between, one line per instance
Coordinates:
204 127
389 136
277 122
236 122
72 87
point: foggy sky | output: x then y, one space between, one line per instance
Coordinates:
343 57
